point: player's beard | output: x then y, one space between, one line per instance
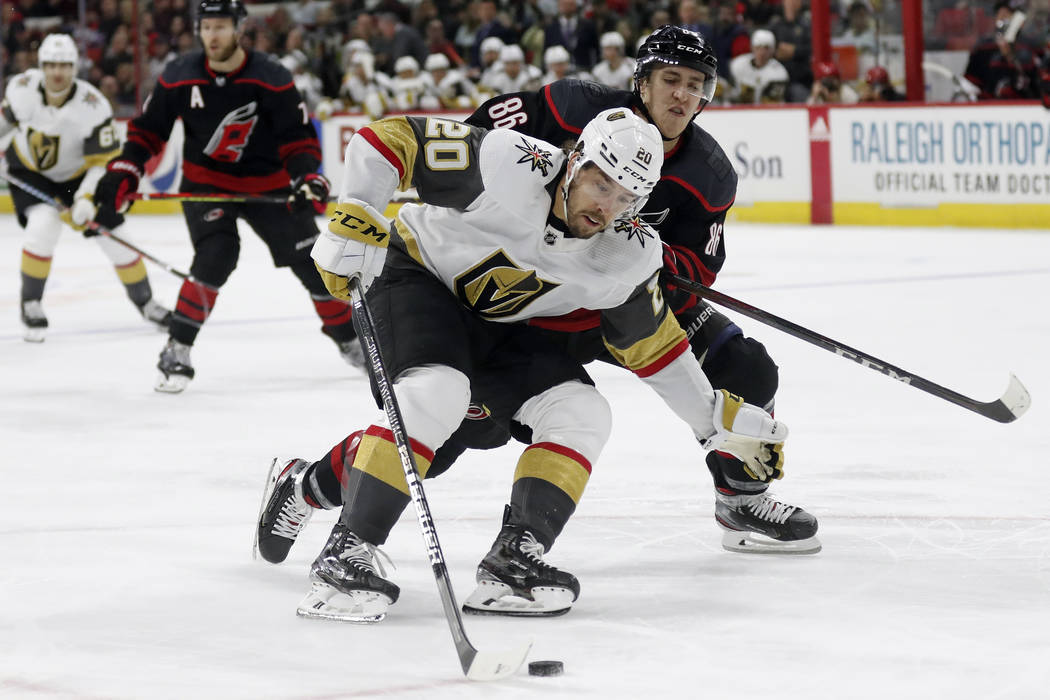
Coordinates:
579 226
222 53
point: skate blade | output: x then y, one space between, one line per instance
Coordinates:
751 543
276 467
495 598
324 602
35 335
175 384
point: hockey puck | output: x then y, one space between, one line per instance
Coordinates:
546 668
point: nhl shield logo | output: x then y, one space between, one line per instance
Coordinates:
498 287
43 149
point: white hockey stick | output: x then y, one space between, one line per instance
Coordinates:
477 665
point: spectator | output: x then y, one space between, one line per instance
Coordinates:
576 33
559 65
437 42
878 88
395 40
304 13
127 91
615 69
728 37
513 74
1003 66
828 87
860 29
758 78
691 17
490 51
119 50
792 31
308 84
489 25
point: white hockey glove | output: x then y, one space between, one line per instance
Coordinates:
750 434
354 245
82 212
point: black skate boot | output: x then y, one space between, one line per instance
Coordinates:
351 352
155 314
34 320
513 579
345 585
175 369
758 523
284 511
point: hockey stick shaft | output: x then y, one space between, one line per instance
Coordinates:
97 227
210 197
475 665
1009 407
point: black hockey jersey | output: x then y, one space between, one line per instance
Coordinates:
697 183
247 131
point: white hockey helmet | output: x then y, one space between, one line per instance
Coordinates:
406 63
57 48
492 43
556 54
511 53
612 39
436 61
625 147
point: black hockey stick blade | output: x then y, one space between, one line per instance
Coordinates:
477 665
1006 409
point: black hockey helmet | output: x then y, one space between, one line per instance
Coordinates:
221 8
674 46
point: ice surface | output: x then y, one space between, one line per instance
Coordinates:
127 515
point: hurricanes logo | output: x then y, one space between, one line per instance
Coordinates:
634 228
42 148
538 158
231 136
498 287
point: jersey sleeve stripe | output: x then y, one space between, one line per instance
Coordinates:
651 354
262 84
398 145
309 146
147 139
696 193
697 267
663 360
557 115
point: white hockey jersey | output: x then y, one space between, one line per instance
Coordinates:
485 230
754 85
61 142
501 83
621 77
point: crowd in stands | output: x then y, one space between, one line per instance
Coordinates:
378 56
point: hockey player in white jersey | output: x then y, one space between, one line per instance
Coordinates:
511 73
759 78
63 138
510 229
615 69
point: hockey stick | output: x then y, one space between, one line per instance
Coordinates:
477 665
1007 408
97 227
210 197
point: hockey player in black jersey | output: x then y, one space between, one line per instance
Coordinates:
675 78
247 132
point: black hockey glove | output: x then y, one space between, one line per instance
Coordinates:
309 191
113 192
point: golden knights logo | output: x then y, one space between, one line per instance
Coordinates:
498 287
43 149
634 228
535 156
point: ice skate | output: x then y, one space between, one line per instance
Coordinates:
283 513
175 369
156 314
345 584
34 321
758 523
513 579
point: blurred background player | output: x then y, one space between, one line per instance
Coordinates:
758 78
408 88
559 66
511 73
450 85
247 132
64 136
615 69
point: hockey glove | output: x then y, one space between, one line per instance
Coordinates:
80 215
750 434
309 191
353 245
115 188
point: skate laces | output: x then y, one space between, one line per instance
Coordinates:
364 556
533 550
33 309
770 509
